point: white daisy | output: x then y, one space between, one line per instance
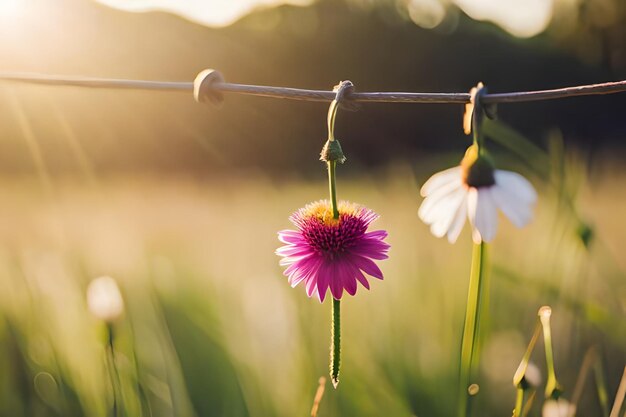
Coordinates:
475 190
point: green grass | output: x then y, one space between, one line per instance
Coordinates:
213 328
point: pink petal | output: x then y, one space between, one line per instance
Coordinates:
377 234
305 269
347 277
296 278
360 277
311 285
290 237
295 265
293 250
302 264
371 249
336 285
368 266
323 281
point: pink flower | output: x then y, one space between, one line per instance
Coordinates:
332 253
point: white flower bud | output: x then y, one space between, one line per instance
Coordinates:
533 375
104 299
558 408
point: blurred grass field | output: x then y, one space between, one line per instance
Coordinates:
213 329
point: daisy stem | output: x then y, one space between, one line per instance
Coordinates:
335 344
476 306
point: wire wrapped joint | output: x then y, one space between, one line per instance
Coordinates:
343 92
203 87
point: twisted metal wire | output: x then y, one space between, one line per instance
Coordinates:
315 95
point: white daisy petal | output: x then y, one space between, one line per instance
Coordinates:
459 220
516 209
515 183
472 205
439 179
486 215
447 209
430 208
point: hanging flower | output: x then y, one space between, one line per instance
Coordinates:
104 299
475 190
332 253
532 376
558 408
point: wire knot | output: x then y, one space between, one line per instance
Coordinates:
477 107
204 90
343 91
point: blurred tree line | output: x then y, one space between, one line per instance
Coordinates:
377 45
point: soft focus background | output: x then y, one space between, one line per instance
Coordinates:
181 203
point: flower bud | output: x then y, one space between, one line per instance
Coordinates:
558 408
532 376
104 299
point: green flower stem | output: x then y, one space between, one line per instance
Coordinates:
335 346
476 306
519 381
603 396
332 164
519 402
332 114
521 369
112 370
335 341
477 119
475 132
332 188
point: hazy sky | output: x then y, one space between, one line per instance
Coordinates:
208 12
521 18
